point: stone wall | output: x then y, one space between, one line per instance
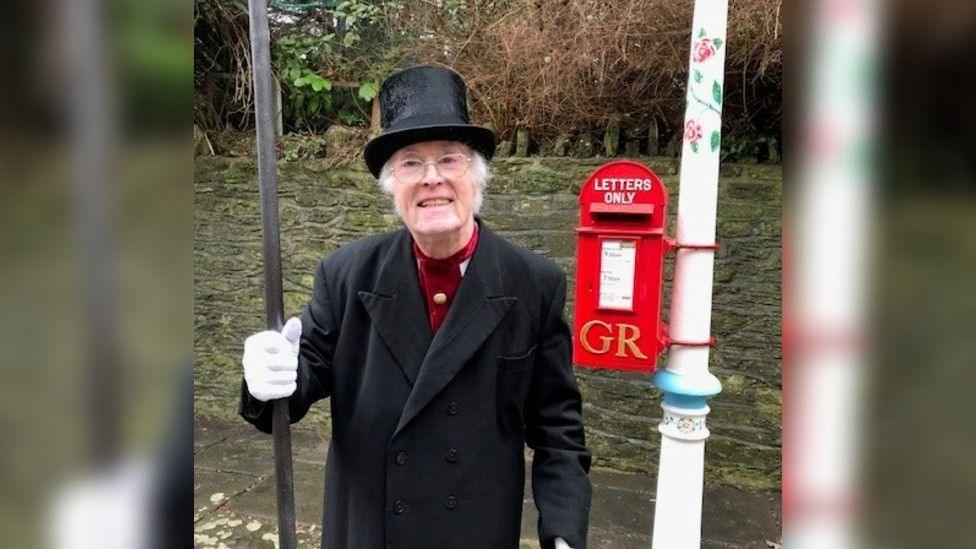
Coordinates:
532 201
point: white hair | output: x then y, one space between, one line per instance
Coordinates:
479 169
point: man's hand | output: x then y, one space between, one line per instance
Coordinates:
271 361
561 544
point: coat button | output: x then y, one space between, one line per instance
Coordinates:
440 298
453 408
450 502
451 455
401 458
399 506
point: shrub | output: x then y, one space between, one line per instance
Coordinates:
558 66
550 66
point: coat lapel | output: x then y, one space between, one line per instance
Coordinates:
398 310
477 308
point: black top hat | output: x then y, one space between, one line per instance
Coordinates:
424 103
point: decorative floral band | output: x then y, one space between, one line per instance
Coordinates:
684 424
685 427
709 107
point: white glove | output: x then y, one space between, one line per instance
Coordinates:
561 544
105 510
271 361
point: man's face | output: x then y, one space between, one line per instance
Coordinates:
434 204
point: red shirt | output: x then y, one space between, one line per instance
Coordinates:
440 278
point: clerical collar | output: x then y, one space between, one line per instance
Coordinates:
440 278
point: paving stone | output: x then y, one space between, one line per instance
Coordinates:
213 489
309 495
621 502
743 518
243 451
206 433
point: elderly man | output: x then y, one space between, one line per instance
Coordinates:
443 350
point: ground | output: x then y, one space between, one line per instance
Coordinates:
234 501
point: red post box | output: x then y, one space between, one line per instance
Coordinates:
619 268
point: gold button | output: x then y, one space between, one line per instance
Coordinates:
440 298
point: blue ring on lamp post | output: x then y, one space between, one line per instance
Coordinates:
682 392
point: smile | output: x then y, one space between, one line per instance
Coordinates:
434 202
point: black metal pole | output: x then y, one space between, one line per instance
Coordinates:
274 308
92 125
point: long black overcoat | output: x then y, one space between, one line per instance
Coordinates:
429 430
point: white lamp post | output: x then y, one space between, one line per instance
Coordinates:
686 382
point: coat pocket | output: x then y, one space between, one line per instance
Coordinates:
516 363
514 377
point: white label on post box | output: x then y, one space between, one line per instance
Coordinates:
617 264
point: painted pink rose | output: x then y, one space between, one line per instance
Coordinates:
693 131
703 50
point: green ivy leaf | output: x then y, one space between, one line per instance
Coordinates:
301 81
318 85
717 92
368 91
698 76
718 42
694 147
716 140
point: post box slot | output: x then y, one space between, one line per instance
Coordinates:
608 210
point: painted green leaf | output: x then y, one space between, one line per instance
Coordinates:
717 92
718 42
716 140
698 76
694 147
701 33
